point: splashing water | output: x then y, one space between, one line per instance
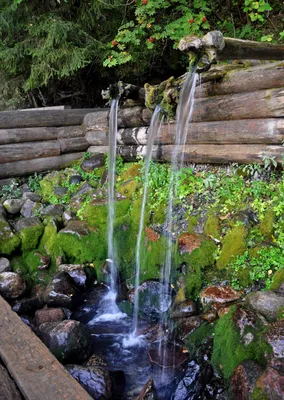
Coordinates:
154 129
184 113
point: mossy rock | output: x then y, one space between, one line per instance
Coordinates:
192 222
229 351
131 172
266 225
9 241
234 244
278 279
96 212
29 267
158 215
48 242
212 226
30 231
258 394
50 181
128 188
199 336
193 282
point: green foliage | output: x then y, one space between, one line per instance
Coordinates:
11 191
261 267
34 182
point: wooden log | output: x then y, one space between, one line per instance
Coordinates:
21 168
36 371
28 151
26 119
96 121
72 145
208 153
8 389
97 138
130 117
259 104
269 131
248 50
19 135
245 80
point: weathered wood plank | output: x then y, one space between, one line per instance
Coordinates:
20 168
202 153
269 131
261 77
26 119
28 150
72 145
36 371
8 389
249 50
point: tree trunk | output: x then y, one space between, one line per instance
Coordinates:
72 145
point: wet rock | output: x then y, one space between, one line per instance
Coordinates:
49 315
194 382
30 208
96 161
244 318
186 308
184 326
53 210
219 295
8 240
266 303
96 361
187 242
271 383
149 299
8 389
95 381
60 191
2 211
222 311
12 285
209 316
148 392
28 306
275 337
61 292
168 355
78 228
86 188
76 272
151 235
4 265
44 261
67 340
244 379
152 333
67 216
32 196
13 206
75 179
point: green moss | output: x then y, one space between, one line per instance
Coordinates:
159 215
203 256
85 249
278 278
193 282
198 337
258 394
212 226
192 222
131 172
266 225
128 188
50 181
234 244
95 214
49 243
153 256
9 241
30 237
229 351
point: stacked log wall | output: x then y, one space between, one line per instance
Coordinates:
238 117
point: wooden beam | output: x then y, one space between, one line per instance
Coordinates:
72 145
27 167
28 150
268 131
26 119
203 153
35 370
238 49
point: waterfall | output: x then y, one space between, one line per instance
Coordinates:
184 113
154 129
111 181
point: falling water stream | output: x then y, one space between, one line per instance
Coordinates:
155 126
184 113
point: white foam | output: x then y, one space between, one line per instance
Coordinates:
133 341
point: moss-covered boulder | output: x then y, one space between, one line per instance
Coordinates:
9 241
30 231
266 225
237 338
212 226
233 244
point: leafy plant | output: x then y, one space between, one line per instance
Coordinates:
33 182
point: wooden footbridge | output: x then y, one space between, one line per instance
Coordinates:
36 372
